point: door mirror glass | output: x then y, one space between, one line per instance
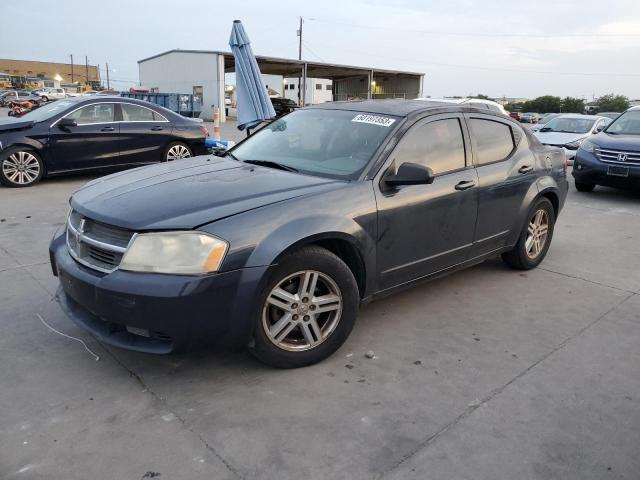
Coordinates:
410 174
67 122
600 128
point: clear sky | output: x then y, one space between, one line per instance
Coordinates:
497 47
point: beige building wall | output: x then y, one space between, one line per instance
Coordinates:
28 68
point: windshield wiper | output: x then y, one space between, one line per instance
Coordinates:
271 164
229 154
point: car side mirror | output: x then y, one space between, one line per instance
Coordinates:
410 174
600 128
67 122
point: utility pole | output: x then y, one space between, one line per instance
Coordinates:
300 58
71 67
108 86
86 68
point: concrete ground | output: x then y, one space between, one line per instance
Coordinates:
486 374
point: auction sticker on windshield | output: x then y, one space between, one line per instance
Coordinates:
374 120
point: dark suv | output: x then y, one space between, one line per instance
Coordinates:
612 157
276 244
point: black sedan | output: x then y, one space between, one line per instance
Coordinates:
277 243
89 134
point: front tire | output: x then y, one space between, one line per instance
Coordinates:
177 151
44 99
585 187
307 310
535 238
20 167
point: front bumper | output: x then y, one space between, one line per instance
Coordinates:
588 168
157 313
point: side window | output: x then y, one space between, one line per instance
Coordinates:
97 113
492 141
134 113
437 145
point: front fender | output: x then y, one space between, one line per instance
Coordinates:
309 230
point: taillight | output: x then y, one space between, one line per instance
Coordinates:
204 130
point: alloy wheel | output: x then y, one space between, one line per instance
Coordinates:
178 152
21 168
537 233
302 311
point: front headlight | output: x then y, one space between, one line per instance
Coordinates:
587 146
182 253
573 145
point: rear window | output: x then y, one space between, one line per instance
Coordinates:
492 141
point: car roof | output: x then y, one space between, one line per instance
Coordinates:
399 107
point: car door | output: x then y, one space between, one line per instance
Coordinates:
505 174
144 134
92 143
423 229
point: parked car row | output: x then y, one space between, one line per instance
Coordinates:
8 97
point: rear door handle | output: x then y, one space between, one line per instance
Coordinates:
525 169
108 129
465 184
156 129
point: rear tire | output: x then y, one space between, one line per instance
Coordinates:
585 187
45 99
306 311
176 151
535 237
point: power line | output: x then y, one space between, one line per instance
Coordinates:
473 34
306 46
414 61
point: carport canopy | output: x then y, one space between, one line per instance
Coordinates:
306 69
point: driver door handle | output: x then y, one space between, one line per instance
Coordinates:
156 129
465 184
525 169
108 129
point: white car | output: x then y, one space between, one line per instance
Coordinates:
476 102
569 131
47 94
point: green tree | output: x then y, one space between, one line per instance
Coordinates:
613 103
481 96
513 107
544 104
572 105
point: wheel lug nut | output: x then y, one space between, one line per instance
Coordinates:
306 318
295 305
312 307
295 317
305 300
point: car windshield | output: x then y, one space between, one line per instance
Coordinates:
48 111
569 125
626 124
328 143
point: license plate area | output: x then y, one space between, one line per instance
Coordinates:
618 171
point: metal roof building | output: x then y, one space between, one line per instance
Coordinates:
203 72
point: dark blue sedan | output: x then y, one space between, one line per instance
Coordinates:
94 133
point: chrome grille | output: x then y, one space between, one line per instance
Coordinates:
95 244
618 156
